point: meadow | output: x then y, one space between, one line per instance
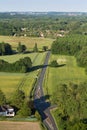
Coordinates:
67 72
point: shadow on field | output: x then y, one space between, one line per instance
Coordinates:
41 105
61 65
38 67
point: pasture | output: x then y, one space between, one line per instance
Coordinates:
67 72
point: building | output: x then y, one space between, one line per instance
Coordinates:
7 111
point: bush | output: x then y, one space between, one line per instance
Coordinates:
24 111
54 63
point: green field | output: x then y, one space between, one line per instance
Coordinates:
29 42
66 73
9 82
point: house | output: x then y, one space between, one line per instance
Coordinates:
7 111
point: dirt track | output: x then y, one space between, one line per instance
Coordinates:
5 125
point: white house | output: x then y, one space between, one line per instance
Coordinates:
7 110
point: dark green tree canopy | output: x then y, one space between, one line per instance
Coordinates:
45 48
54 63
25 110
82 57
23 65
5 49
35 49
18 98
21 48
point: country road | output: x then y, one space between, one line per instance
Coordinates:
40 99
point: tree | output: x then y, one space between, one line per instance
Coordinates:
82 57
45 48
8 49
27 62
35 49
5 49
2 98
54 63
25 110
18 98
21 48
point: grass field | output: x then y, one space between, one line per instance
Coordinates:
67 72
9 82
19 125
28 41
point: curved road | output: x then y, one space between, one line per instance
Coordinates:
40 103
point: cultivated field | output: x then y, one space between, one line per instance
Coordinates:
4 125
68 71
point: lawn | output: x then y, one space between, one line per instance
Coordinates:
28 41
9 82
68 71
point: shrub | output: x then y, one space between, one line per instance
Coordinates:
54 63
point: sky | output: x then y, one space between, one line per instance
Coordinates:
44 5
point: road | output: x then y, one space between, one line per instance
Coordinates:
40 102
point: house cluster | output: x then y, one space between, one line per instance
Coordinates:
7 111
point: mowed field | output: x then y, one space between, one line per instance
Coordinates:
9 82
28 41
67 72
4 125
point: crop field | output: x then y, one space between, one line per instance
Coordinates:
67 72
5 125
29 42
9 82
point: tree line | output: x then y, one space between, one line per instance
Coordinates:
22 65
6 48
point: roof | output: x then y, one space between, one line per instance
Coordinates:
5 108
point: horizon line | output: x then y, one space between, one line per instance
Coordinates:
45 11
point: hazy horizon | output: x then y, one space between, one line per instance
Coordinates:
43 6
